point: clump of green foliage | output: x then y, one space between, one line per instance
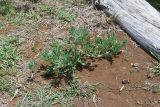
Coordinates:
98 47
63 60
65 15
6 7
66 56
9 52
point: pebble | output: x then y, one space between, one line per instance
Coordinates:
135 65
125 81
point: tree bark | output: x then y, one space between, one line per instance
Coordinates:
138 18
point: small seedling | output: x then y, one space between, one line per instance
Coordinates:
65 15
32 65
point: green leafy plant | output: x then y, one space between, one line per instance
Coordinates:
65 15
98 47
63 60
108 47
6 7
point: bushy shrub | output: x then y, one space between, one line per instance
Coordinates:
65 56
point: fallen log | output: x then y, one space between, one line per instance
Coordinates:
138 18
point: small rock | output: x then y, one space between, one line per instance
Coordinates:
135 65
124 68
125 81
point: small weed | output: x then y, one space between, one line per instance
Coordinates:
46 9
106 48
32 65
2 25
154 70
32 15
8 52
5 84
23 18
127 54
65 15
79 36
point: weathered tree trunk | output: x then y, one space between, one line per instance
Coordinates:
138 18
